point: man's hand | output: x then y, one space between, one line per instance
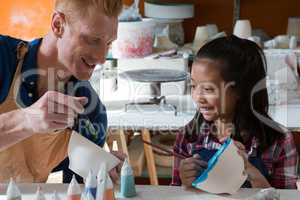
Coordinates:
116 172
190 168
53 111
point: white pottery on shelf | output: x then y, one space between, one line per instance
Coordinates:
294 27
242 29
293 42
169 10
283 41
201 37
212 29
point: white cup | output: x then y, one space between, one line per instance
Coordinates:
283 41
242 29
270 44
201 36
212 29
294 27
293 42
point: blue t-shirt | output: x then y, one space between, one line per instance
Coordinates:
92 124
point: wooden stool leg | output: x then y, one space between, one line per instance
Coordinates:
122 142
121 139
150 158
109 139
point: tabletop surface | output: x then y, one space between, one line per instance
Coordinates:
150 193
163 118
155 75
152 120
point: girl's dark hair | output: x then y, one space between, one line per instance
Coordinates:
243 63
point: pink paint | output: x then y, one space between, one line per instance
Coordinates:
135 39
141 47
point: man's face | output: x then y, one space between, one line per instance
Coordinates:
85 43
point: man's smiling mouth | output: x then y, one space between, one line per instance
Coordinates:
92 66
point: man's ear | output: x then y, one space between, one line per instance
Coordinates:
57 24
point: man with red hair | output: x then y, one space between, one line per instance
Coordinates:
45 93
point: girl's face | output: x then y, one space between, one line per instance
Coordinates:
215 98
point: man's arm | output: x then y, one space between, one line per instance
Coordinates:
12 129
53 111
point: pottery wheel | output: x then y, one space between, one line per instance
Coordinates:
155 75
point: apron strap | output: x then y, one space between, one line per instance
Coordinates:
22 49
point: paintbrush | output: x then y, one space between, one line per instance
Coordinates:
181 156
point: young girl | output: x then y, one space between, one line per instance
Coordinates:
229 88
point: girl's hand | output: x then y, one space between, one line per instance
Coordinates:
190 168
242 152
255 177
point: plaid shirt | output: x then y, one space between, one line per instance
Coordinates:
280 159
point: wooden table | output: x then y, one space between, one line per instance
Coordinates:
150 193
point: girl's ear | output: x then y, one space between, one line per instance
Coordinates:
57 24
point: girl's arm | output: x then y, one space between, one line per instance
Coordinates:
255 177
185 171
285 166
176 163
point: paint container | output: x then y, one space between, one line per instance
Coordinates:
74 191
40 194
13 192
55 196
127 180
90 184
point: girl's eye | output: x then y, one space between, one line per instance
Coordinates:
96 40
209 90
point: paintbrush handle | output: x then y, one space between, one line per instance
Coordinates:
165 150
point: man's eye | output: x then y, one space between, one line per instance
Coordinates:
91 41
96 40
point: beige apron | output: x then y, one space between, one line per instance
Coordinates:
32 159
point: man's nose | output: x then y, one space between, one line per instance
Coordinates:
100 55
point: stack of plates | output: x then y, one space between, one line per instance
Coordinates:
169 10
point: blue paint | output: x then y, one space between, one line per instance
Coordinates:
128 186
93 191
211 163
205 154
